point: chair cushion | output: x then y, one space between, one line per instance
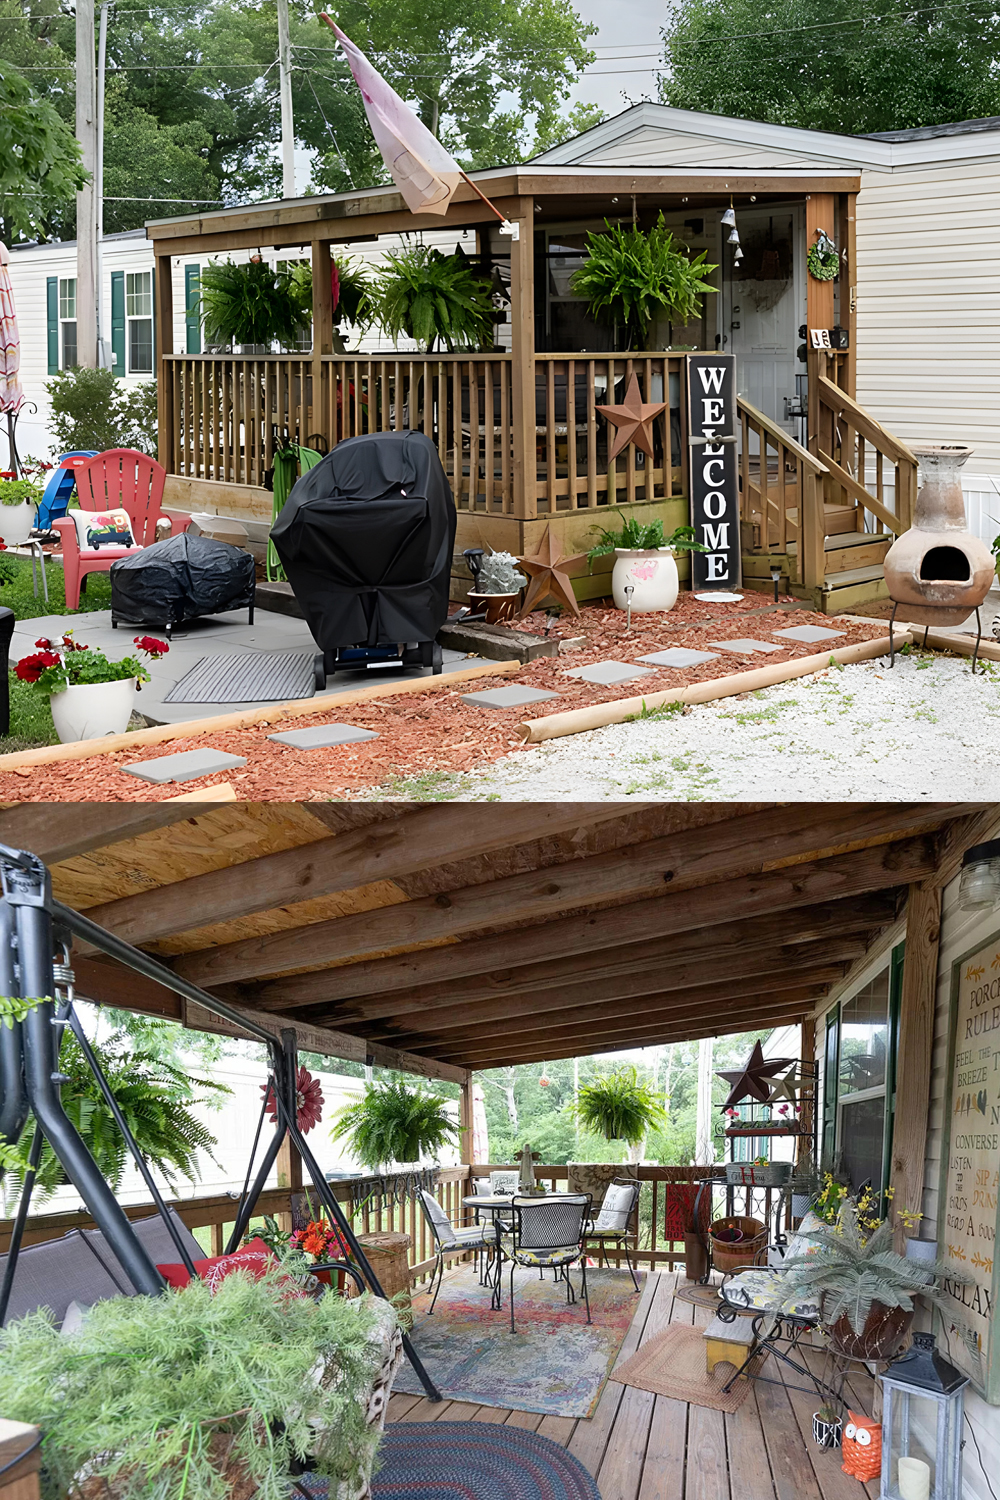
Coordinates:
59 1272
97 529
478 1234
154 1237
254 1258
559 1256
615 1209
761 1290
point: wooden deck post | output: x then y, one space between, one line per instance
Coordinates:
322 295
466 1149
20 1482
522 322
163 342
914 1050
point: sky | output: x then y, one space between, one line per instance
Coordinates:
628 45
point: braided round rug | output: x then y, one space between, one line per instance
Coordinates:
471 1461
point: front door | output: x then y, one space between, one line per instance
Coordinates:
762 308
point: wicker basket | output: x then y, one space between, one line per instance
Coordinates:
388 1256
753 1174
732 1255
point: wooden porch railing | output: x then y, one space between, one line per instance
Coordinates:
781 494
226 414
216 1213
869 469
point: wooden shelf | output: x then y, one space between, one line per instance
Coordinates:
734 1130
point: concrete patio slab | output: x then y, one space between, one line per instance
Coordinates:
608 673
188 765
507 697
679 656
745 646
320 736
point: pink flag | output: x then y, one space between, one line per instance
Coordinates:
421 168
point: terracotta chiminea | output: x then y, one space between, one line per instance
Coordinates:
938 572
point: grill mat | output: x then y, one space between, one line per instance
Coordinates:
246 677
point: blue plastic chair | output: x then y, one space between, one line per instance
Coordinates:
58 491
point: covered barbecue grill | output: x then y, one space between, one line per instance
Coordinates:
366 540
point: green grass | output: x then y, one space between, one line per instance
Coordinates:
433 786
30 719
664 711
19 596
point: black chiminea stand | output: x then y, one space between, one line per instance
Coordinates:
32 927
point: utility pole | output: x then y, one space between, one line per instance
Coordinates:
86 198
285 91
102 54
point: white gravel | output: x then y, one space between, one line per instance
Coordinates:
927 728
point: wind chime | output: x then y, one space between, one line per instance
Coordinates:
729 220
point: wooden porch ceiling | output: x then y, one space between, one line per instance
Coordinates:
448 938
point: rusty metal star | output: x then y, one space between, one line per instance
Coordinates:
634 420
749 1081
549 578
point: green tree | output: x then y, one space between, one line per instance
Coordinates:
833 64
40 168
144 158
91 409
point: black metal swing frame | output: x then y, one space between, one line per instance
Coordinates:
32 924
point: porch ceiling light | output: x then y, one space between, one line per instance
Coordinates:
979 888
729 217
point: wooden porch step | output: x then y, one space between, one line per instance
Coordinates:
838 539
848 577
867 552
840 518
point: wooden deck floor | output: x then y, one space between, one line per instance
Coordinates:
645 1447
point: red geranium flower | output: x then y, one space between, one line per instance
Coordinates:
44 642
151 645
30 668
3 545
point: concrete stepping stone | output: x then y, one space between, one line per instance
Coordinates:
320 736
507 697
807 633
186 766
679 656
608 673
745 646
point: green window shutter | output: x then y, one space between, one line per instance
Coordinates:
192 308
118 321
52 322
152 283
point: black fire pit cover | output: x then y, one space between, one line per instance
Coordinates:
180 579
366 540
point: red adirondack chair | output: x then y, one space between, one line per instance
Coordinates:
120 479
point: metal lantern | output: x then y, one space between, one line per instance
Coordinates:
923 1408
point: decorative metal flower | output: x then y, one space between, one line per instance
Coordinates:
308 1100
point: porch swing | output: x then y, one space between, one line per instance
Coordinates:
33 927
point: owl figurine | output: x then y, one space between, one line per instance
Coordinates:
861 1447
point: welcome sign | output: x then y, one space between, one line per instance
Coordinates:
715 497
968 1226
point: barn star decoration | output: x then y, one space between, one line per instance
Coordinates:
549 577
787 1086
752 1080
634 419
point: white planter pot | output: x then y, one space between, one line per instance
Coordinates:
653 576
921 1249
91 710
15 523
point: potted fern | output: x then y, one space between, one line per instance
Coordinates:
863 1287
645 562
393 1124
619 1106
632 278
433 298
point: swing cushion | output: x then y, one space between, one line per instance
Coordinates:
254 1258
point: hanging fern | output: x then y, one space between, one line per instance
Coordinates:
427 296
619 1107
394 1123
351 306
250 304
634 276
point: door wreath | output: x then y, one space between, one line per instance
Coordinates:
822 259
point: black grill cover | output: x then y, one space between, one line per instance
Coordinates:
366 540
179 579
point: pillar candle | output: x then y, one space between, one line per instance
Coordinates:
914 1479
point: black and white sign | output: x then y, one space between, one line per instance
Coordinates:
715 499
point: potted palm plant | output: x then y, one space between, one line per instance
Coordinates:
394 1124
634 277
89 695
619 1106
863 1287
645 561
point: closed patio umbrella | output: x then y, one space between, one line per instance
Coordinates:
11 394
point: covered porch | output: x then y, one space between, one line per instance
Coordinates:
822 486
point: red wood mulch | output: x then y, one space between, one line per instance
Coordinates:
435 732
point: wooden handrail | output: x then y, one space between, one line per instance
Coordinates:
779 435
864 497
837 400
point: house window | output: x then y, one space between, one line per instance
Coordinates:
67 322
139 319
860 1047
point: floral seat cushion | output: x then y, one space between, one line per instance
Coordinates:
761 1291
561 1256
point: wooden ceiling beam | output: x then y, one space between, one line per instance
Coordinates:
386 850
582 1020
657 979
58 830
548 954
546 1046
640 871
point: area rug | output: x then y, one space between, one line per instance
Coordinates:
701 1295
470 1461
555 1363
246 677
673 1364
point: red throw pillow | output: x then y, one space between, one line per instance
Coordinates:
254 1257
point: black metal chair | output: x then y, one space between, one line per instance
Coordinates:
612 1224
479 1237
548 1232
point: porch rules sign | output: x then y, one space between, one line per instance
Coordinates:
715 499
